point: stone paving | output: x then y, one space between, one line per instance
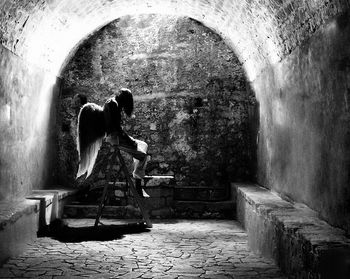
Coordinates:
171 249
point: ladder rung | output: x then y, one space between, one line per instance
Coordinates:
117 183
159 177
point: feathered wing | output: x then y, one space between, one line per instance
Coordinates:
91 131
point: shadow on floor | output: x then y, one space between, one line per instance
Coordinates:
62 232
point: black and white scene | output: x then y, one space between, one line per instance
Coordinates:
175 139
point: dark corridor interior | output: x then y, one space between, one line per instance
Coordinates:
193 106
244 106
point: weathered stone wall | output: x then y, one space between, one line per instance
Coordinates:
261 32
27 145
191 100
304 150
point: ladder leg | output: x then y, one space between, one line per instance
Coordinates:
101 205
104 197
136 195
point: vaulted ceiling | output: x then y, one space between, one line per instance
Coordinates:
261 32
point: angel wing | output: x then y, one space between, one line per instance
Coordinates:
91 131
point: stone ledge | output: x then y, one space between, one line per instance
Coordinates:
46 198
303 245
11 211
18 226
51 204
61 193
21 220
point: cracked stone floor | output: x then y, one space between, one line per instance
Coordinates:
171 249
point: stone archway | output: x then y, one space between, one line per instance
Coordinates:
277 42
260 32
192 102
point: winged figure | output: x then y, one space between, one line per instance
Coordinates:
96 123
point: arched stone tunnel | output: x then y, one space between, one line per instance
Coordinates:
295 56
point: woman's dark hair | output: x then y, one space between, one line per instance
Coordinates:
125 100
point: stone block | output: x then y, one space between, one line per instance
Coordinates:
52 202
119 193
48 207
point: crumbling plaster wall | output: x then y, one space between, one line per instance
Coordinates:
27 144
191 101
304 148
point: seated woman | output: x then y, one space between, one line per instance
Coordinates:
96 123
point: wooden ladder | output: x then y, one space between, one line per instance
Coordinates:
129 182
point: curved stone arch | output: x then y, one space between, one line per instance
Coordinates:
260 32
50 32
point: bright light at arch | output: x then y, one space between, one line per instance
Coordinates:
66 23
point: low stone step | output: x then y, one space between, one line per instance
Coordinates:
178 209
52 202
205 209
90 211
196 193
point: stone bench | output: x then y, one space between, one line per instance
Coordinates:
18 226
303 245
22 220
52 202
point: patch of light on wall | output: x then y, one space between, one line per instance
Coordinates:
51 52
43 109
269 148
61 31
45 99
272 51
52 42
279 113
250 68
5 113
331 27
